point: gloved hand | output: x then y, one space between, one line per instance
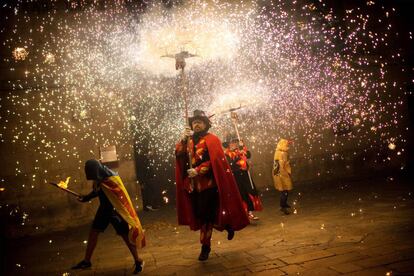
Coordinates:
187 133
192 173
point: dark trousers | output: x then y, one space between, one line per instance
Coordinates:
205 206
283 199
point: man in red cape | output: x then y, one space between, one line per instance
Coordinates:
207 194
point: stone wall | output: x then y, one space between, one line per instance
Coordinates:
28 203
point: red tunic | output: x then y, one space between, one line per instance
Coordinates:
231 211
240 155
200 162
238 162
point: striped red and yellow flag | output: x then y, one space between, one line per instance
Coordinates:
115 190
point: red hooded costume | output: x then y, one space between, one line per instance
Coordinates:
230 212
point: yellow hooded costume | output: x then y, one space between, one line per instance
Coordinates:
281 168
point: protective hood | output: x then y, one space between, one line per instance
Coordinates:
94 170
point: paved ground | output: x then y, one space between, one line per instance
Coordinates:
353 228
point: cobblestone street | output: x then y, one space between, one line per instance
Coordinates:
352 228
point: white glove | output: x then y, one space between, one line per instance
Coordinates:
187 133
192 173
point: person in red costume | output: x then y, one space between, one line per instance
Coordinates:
237 154
207 194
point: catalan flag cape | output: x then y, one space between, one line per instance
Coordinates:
115 190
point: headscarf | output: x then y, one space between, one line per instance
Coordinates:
94 170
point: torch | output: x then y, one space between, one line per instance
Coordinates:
63 185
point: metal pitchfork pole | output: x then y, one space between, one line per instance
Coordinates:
180 65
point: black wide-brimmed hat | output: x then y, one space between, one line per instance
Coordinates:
199 115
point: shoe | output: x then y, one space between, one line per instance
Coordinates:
252 216
230 233
285 210
82 265
150 208
205 251
139 267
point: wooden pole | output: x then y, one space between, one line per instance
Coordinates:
65 189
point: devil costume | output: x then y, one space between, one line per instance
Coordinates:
237 159
211 199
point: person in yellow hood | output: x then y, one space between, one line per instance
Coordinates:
282 173
115 208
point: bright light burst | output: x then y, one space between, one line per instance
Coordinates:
20 53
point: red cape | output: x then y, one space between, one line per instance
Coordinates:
230 212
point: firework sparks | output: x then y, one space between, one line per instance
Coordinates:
301 71
251 54
20 53
49 58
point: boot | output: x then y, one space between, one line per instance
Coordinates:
82 265
285 210
252 216
230 233
139 267
205 251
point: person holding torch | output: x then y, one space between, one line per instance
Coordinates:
115 208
